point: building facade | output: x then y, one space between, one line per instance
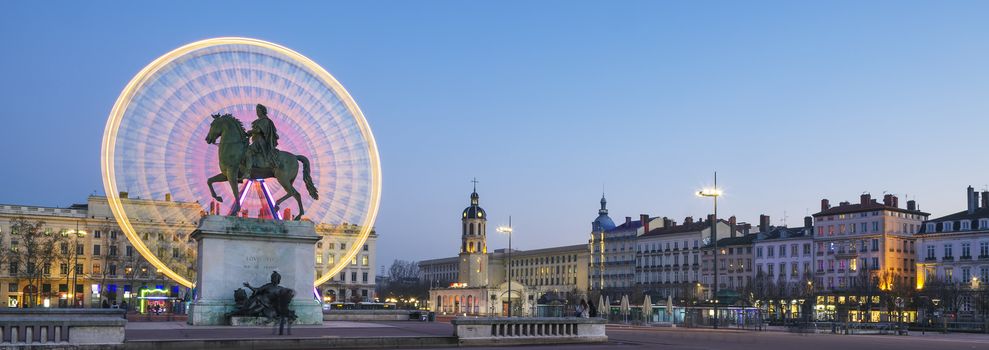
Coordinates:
356 282
783 283
865 245
668 256
954 261
93 261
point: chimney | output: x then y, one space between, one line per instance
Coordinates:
667 222
645 222
808 222
688 220
733 224
866 198
628 221
972 199
985 199
123 194
896 202
763 223
844 203
168 197
911 205
825 205
888 200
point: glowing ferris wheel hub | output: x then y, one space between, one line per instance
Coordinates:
153 144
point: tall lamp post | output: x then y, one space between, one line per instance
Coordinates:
508 230
714 192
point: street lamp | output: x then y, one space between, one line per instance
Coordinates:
508 230
714 192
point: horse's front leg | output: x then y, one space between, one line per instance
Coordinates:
234 211
217 178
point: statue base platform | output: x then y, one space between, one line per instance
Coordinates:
235 250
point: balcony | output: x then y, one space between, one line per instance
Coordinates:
983 257
930 258
948 258
965 257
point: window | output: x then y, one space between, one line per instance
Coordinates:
983 249
947 226
353 261
343 246
758 252
966 250
96 269
806 249
770 251
12 268
319 258
364 260
129 251
353 276
965 225
364 277
875 226
875 244
63 269
931 227
863 227
983 224
782 250
875 263
930 251
80 249
947 251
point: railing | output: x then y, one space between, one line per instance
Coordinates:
42 326
528 329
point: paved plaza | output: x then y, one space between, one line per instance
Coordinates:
620 337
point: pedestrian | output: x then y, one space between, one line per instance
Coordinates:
584 312
591 310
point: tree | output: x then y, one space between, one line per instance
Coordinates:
404 282
33 256
67 256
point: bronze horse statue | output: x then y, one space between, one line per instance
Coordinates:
233 150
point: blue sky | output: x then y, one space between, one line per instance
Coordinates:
546 102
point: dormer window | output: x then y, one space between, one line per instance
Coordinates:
983 224
966 225
931 227
947 226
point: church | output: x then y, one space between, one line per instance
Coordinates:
476 282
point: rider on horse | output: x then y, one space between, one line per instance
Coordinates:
264 139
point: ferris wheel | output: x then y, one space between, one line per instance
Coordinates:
155 160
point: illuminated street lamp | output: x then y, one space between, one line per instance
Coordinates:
508 230
714 192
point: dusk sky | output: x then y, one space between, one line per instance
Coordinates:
546 103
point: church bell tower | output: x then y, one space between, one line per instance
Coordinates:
473 246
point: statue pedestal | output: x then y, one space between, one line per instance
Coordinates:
235 250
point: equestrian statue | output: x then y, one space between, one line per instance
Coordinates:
254 155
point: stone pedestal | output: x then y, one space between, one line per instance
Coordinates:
235 250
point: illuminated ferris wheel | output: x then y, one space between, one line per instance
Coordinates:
155 157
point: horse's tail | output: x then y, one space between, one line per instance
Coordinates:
307 177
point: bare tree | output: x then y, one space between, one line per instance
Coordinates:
404 281
33 256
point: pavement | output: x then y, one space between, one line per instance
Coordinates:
136 331
620 336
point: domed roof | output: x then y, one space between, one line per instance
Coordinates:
603 221
474 211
